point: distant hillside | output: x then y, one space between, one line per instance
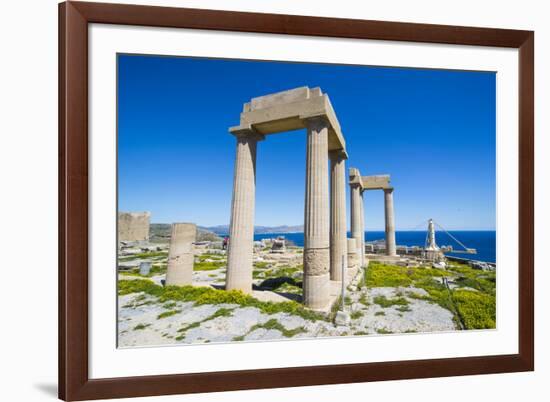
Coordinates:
224 229
160 232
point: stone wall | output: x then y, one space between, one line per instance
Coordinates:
133 226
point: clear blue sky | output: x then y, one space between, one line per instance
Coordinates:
433 131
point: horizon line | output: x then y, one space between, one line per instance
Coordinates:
366 230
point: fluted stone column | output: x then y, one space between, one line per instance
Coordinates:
316 284
338 227
362 223
356 216
353 257
241 228
181 254
390 222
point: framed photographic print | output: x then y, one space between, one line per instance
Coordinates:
260 200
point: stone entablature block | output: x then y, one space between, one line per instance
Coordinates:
290 110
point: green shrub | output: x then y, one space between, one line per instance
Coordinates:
477 310
168 314
274 324
207 266
385 302
380 275
207 295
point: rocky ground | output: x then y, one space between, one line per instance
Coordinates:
390 299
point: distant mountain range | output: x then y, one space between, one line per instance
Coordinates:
224 229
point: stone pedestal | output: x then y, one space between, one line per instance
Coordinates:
338 243
316 284
390 222
241 228
180 256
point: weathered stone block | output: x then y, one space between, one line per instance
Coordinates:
316 291
133 226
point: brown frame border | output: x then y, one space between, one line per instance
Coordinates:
74 17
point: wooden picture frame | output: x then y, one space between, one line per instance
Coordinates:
74 381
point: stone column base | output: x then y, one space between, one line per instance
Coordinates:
316 290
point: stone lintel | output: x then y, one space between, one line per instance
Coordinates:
380 182
289 110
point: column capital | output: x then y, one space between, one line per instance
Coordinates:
338 155
317 122
388 190
247 133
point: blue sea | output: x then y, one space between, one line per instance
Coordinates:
484 241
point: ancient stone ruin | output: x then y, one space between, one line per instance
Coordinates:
181 254
133 226
358 185
325 209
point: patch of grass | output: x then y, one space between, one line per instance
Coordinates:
156 269
261 264
356 315
207 295
274 324
359 333
207 266
280 272
135 304
257 274
170 305
195 324
411 331
383 331
204 257
289 288
150 254
222 312
382 301
403 309
335 307
168 314
364 300
239 338
379 313
141 326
